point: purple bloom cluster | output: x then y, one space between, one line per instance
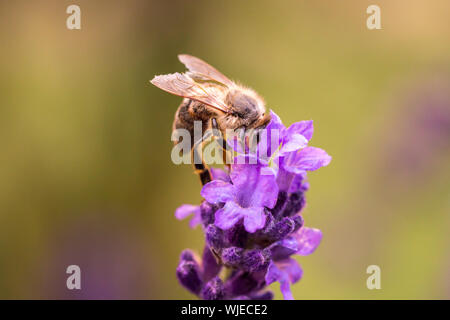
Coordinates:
252 219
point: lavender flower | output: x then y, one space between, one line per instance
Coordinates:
252 219
245 197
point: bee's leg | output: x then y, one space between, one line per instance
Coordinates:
199 165
226 148
242 138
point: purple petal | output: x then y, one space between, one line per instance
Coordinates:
293 142
235 144
218 191
195 221
284 177
275 122
308 240
269 142
292 269
284 248
273 273
253 188
299 183
254 219
305 128
285 272
249 158
271 137
186 210
219 174
309 158
229 215
285 288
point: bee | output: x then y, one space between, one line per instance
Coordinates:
210 97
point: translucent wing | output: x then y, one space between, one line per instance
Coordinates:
182 85
200 69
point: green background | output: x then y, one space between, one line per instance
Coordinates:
85 171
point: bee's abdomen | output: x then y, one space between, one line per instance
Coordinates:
183 116
188 112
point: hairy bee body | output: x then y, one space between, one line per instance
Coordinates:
213 99
188 112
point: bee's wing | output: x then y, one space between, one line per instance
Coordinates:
182 85
201 69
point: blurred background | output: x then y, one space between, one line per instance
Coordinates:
85 171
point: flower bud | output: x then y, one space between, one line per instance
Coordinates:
187 255
298 220
281 203
270 224
214 237
232 256
282 229
188 273
214 290
237 236
207 211
256 260
295 204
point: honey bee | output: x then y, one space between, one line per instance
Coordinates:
210 97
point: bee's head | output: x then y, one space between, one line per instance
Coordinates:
246 106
